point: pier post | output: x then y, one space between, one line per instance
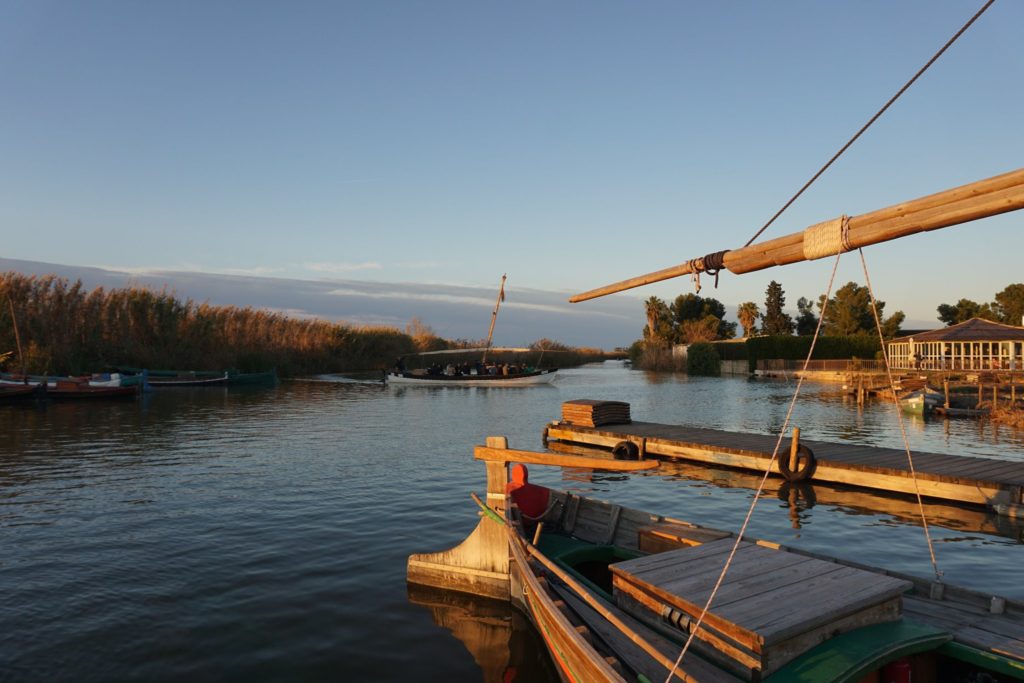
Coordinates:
794 450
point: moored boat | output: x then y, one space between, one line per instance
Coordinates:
201 378
920 401
618 593
12 392
83 391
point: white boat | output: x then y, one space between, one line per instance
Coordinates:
519 380
477 376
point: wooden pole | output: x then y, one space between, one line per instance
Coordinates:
945 390
963 204
494 316
794 449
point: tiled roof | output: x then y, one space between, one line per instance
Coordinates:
973 330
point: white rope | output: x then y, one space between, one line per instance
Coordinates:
827 238
764 479
899 418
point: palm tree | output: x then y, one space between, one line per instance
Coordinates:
655 309
748 313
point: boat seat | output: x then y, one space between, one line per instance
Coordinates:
669 535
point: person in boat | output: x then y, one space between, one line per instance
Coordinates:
400 365
531 499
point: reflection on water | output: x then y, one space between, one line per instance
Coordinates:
498 636
220 534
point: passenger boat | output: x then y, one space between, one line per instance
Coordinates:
529 378
477 376
620 594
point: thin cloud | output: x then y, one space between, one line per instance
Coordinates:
324 267
472 301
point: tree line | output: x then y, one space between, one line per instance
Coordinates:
694 320
67 329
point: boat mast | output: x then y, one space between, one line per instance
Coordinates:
494 316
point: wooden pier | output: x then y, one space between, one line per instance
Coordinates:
965 480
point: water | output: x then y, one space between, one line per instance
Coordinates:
261 535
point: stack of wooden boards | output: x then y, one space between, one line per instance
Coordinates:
588 412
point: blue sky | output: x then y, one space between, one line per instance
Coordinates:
569 144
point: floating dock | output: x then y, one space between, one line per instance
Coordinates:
965 480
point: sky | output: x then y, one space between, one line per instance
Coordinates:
441 144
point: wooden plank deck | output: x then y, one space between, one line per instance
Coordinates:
771 606
971 480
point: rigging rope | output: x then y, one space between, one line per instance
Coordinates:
764 479
899 416
872 120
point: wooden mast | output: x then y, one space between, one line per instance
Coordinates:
970 202
494 316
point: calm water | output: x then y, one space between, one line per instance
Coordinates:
227 535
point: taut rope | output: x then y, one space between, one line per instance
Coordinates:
764 479
899 417
872 120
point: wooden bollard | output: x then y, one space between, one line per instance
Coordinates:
995 395
945 390
794 449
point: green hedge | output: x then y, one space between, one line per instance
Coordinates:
703 359
789 347
731 350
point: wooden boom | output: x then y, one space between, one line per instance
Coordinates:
963 204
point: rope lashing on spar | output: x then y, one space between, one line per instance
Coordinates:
711 264
827 239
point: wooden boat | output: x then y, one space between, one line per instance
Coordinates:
477 377
616 593
421 378
920 401
621 594
188 379
201 378
12 392
953 411
64 390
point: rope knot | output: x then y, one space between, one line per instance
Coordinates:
711 264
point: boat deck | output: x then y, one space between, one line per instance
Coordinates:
970 480
788 600
772 606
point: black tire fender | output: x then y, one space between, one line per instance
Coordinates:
804 464
626 450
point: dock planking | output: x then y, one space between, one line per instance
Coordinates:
971 480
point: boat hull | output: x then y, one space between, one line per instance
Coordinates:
532 379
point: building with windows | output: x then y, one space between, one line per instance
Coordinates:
974 344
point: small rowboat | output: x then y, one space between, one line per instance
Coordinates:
81 390
11 392
188 379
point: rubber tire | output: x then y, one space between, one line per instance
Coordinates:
805 464
626 450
